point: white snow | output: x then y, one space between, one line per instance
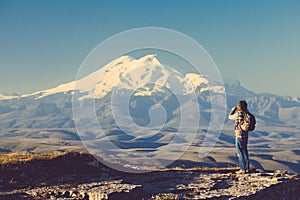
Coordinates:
129 73
7 97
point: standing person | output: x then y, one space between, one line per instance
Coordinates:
244 122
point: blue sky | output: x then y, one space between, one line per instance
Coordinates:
42 43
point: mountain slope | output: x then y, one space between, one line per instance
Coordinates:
129 73
148 79
7 97
149 95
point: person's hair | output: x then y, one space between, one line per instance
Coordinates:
243 104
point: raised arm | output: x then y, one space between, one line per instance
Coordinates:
233 115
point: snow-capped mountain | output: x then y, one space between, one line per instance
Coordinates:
152 83
135 74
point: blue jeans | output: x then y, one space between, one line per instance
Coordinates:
242 152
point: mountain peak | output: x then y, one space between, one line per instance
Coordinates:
121 59
147 59
7 97
150 58
234 87
127 72
232 82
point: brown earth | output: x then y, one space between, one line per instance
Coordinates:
73 175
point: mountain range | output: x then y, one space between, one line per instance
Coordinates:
147 96
150 81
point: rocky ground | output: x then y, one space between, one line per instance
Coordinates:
72 177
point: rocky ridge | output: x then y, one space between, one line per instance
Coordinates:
177 185
59 179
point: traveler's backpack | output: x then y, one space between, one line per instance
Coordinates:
249 122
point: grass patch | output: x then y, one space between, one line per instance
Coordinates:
23 157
